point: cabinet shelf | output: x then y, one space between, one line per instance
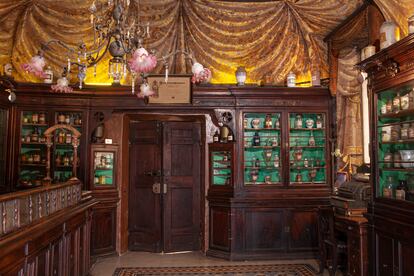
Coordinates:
307 147
307 129
398 169
33 165
261 147
33 144
262 183
399 114
221 162
307 168
103 169
405 141
34 125
263 168
260 129
222 174
307 183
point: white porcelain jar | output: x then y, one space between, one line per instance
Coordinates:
411 25
291 80
389 34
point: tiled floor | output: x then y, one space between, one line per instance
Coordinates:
106 266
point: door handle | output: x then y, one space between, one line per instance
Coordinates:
156 188
164 188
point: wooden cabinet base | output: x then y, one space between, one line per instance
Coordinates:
56 245
262 230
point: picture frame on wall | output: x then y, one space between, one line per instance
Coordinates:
177 90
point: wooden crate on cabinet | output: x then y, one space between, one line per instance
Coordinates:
103 184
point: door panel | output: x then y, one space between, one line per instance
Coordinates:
384 255
303 230
144 205
181 163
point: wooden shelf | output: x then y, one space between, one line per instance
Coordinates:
304 183
32 144
264 168
34 125
307 129
261 147
221 162
103 169
32 165
307 168
262 183
222 175
399 114
398 169
260 129
406 141
307 147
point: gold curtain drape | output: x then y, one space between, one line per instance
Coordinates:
398 11
348 103
268 38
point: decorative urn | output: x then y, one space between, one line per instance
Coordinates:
241 75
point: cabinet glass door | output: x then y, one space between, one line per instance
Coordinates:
32 159
262 155
307 148
222 169
395 148
63 149
103 168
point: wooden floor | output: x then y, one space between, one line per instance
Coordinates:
106 266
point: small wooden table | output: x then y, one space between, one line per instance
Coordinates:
355 229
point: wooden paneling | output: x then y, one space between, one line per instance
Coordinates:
220 228
265 230
103 229
303 230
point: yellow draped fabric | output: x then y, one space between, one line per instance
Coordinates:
268 38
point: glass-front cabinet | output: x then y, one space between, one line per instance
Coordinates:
269 160
307 149
395 147
221 157
262 143
33 149
104 158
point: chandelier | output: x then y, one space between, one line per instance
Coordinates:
117 29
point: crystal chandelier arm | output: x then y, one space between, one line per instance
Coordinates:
188 55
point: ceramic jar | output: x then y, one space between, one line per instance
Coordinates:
389 34
291 79
255 123
386 134
404 102
387 159
404 131
298 121
309 123
411 25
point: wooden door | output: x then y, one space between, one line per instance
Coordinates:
167 153
181 171
144 205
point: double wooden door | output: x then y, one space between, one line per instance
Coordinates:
164 188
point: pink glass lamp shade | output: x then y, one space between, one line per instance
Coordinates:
35 66
142 62
200 74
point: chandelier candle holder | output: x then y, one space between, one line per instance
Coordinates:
119 31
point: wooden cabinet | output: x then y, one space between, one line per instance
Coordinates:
103 183
280 175
31 164
391 214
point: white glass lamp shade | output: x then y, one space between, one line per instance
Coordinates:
241 75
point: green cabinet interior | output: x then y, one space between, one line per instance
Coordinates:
103 168
31 169
262 159
392 167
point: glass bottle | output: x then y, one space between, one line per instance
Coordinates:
319 123
277 122
291 79
58 160
388 190
411 131
401 191
230 136
404 131
30 158
42 118
312 141
306 163
245 122
36 157
66 160
268 121
68 139
61 118
35 118
396 103
256 139
216 137
387 159
299 121
397 159
384 108
404 102
275 142
389 106
257 163
35 135
298 177
67 119
276 162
